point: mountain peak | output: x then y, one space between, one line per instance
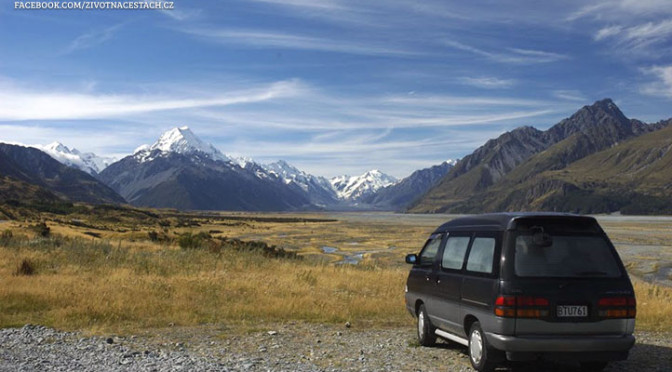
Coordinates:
59 147
608 106
180 140
357 187
88 161
451 161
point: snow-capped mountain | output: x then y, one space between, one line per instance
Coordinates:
183 141
319 189
357 187
87 161
181 171
406 191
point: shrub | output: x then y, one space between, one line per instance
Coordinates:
6 235
41 229
25 268
153 236
193 241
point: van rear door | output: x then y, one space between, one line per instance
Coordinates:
566 281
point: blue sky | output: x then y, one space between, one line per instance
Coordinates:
334 87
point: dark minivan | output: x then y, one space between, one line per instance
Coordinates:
523 286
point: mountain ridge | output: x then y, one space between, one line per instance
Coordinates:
590 130
33 166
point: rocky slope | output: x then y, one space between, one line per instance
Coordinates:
399 195
495 175
36 168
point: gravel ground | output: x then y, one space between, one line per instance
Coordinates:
279 347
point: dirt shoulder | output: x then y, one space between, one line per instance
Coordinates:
274 347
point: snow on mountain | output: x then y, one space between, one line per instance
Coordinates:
319 189
356 187
401 194
181 141
87 161
290 174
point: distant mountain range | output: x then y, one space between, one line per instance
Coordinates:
595 161
182 171
529 169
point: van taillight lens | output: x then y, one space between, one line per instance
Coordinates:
521 307
617 307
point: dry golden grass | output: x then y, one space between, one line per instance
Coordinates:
654 306
99 287
125 282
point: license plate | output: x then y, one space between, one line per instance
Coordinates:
572 311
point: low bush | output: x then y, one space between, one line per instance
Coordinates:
41 229
25 268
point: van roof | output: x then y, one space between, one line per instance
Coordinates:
506 221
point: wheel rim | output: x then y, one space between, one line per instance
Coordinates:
476 346
421 324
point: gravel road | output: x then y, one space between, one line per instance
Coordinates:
269 347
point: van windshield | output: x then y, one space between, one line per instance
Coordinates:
570 256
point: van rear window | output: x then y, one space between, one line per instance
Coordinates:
570 256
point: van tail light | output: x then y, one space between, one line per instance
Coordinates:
521 307
617 307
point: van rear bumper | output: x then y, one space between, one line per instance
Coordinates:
561 344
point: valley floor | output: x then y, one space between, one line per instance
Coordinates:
180 291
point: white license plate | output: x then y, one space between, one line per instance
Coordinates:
572 311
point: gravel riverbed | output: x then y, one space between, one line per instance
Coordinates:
270 347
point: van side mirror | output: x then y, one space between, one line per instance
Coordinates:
411 259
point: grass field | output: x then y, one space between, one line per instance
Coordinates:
116 272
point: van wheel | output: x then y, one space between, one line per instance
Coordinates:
481 355
426 335
593 366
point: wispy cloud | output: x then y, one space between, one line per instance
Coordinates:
312 4
510 55
182 14
570 95
269 39
662 86
92 39
488 82
638 36
22 104
620 10
462 101
607 32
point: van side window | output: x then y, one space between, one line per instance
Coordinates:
431 248
481 255
453 254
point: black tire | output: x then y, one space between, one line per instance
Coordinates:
426 335
481 355
593 366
